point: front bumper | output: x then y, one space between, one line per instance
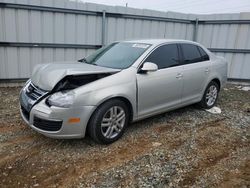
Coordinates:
55 114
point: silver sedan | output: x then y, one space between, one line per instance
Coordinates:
120 83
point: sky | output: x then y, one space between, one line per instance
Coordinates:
184 6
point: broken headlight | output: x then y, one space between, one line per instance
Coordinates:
61 99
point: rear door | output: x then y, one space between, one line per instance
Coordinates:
161 89
196 70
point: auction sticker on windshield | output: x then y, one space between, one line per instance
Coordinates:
140 45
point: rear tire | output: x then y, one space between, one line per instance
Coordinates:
109 121
210 96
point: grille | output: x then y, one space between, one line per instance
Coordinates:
25 113
47 125
34 92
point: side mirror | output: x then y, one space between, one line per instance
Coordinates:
149 67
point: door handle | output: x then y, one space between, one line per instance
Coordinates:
179 75
207 70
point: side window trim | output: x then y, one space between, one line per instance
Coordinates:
181 56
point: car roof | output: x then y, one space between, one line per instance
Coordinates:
160 41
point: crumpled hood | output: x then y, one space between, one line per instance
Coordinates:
46 76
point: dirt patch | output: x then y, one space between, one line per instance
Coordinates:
238 177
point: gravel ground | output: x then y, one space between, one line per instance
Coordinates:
188 147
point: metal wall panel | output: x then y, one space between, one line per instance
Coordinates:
53 27
232 36
16 62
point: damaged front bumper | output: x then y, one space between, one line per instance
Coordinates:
54 121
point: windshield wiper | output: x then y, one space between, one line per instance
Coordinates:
83 60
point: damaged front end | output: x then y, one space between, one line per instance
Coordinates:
29 96
75 81
62 94
32 94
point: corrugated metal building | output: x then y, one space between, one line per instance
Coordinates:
39 31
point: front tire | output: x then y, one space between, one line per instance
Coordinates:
210 95
109 121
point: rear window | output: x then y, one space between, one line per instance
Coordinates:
204 56
191 53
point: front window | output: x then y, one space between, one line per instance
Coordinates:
117 55
165 56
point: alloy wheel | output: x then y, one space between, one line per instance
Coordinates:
211 95
113 122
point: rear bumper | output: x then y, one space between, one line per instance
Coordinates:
52 114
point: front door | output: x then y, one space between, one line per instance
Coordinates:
161 89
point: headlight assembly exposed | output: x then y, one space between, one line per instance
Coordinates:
61 99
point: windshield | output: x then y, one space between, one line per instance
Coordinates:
117 55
